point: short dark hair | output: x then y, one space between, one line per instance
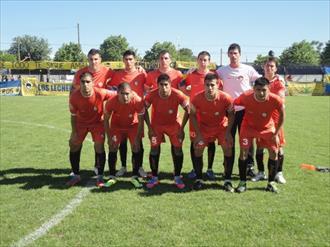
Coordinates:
211 77
261 81
204 53
162 52
272 59
85 74
163 77
234 46
93 52
123 85
129 53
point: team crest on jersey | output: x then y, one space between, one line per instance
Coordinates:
264 114
216 113
130 115
95 108
100 84
136 83
170 111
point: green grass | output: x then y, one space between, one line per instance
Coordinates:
34 167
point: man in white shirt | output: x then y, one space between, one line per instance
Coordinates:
237 78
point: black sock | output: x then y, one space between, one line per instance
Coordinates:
178 161
135 160
260 161
242 165
192 155
123 152
272 170
141 154
210 155
100 162
280 162
112 163
75 161
154 161
228 163
199 167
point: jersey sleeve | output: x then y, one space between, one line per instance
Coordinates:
183 99
109 106
72 106
139 106
239 100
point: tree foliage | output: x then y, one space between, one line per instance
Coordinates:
325 55
6 57
300 53
260 60
70 52
32 47
153 54
113 47
185 54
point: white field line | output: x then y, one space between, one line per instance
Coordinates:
41 125
57 218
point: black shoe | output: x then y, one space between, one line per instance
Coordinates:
241 187
198 185
271 187
250 172
229 187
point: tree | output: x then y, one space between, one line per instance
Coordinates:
32 47
325 55
6 57
153 54
70 52
302 53
185 54
260 60
113 47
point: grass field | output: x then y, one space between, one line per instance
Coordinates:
34 168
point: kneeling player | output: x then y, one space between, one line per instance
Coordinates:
258 123
165 120
86 107
208 112
126 111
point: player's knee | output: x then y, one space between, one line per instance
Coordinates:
178 151
99 147
272 154
74 147
243 153
155 151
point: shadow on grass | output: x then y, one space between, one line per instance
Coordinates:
37 178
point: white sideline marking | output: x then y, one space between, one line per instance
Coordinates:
57 218
42 125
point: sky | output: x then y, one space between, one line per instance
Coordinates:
258 26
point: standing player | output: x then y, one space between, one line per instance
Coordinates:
86 107
164 67
276 86
237 78
258 123
126 111
136 79
208 112
100 73
165 120
194 85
